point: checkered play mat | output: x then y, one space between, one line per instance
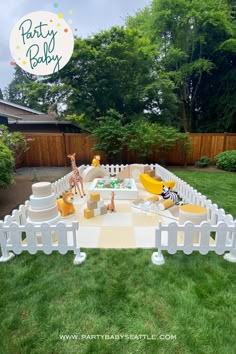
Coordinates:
128 227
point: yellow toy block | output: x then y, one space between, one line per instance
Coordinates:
94 197
88 214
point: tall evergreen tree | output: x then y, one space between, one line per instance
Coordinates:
191 39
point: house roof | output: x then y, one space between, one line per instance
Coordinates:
32 119
26 118
20 107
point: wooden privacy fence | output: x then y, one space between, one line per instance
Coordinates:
51 149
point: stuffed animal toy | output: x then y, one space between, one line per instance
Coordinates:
96 161
65 204
167 194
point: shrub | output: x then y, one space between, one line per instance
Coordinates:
204 161
226 160
6 165
16 141
148 137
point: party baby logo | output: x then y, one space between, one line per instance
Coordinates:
41 43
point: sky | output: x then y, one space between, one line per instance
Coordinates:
88 16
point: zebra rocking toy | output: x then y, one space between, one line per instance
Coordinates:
167 194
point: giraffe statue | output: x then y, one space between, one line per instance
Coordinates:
111 205
75 178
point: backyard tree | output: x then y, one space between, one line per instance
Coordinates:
175 62
27 90
110 70
195 42
6 165
111 135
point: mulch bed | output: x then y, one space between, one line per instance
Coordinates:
18 193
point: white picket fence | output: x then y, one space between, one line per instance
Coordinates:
192 196
63 183
218 221
39 238
175 237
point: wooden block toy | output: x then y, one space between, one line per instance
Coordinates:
88 214
97 212
94 197
103 210
95 206
100 204
92 205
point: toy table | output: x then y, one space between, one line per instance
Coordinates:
194 213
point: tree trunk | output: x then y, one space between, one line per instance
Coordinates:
185 117
185 111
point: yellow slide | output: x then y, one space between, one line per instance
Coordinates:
153 186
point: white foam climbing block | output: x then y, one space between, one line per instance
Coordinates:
90 173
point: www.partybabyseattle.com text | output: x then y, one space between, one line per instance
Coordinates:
84 337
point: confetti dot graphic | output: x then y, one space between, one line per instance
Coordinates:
76 29
43 59
55 5
70 12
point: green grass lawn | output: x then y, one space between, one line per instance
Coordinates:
217 186
116 292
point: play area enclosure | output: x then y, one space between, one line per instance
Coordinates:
217 234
